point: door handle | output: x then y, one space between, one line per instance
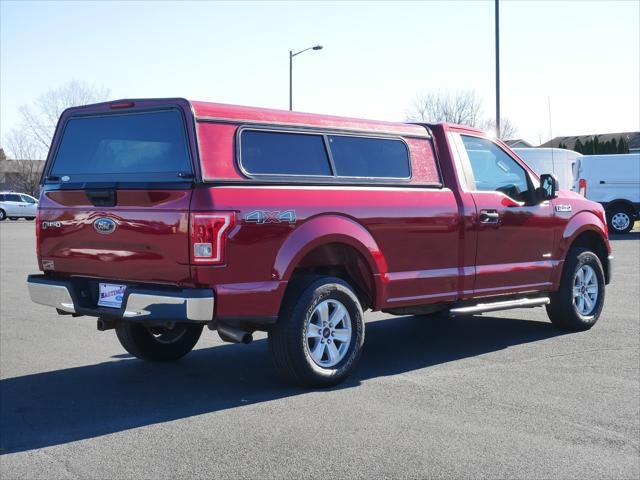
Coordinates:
489 216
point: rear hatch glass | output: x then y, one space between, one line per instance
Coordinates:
147 146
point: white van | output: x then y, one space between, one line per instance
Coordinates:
559 161
613 181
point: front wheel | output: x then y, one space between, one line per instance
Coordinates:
577 304
320 333
620 220
158 344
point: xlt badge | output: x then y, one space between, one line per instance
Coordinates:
563 208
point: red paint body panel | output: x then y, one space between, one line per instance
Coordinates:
418 243
396 230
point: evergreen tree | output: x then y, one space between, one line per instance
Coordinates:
623 145
578 147
609 146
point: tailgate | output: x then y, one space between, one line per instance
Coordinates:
142 238
116 195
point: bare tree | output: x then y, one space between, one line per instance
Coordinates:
461 107
21 145
26 174
508 130
25 167
39 120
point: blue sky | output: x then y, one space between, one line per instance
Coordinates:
584 55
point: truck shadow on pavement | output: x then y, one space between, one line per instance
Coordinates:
58 407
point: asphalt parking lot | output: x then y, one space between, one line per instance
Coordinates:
502 395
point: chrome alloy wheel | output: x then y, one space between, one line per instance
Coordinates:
328 333
620 221
585 290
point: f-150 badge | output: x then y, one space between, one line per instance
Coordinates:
264 216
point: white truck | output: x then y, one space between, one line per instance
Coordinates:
559 161
613 181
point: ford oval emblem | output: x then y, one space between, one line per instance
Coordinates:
104 225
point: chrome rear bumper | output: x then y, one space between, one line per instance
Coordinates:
139 303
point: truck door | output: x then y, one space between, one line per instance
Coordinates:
514 231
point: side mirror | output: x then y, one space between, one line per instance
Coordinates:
548 187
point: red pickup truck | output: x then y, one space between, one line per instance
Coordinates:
162 216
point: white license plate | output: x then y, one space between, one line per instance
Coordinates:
111 295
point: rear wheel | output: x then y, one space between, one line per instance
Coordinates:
3 215
620 219
577 304
318 338
158 344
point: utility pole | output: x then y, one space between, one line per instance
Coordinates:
497 25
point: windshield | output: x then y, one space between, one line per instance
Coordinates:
147 146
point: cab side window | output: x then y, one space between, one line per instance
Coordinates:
494 170
27 199
12 197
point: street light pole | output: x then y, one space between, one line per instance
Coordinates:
497 25
291 55
290 79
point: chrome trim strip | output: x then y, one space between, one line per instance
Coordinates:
56 296
506 305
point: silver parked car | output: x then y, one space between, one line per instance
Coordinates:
15 205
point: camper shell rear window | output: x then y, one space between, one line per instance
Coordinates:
149 146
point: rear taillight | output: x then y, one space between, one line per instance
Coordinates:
38 232
208 236
582 187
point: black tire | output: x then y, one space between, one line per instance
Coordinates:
288 340
562 310
31 219
624 219
3 215
158 344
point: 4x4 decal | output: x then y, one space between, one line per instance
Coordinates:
265 216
